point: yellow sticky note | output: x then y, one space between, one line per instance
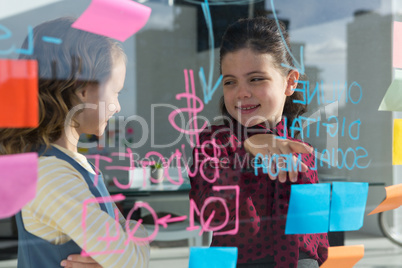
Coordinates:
397 143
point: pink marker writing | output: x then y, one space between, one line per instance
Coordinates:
206 224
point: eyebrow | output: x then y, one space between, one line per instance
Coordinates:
228 75
247 74
255 72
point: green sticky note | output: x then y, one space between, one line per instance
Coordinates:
392 100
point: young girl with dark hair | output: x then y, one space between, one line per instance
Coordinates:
258 93
79 83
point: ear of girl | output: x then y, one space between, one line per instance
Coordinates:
292 79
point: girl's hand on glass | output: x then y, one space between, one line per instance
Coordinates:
78 261
269 146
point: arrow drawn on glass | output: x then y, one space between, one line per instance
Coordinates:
207 88
299 66
168 218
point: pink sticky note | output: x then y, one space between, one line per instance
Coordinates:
397 44
19 175
118 19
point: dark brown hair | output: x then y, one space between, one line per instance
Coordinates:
262 35
81 59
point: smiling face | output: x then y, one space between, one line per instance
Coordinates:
254 89
102 100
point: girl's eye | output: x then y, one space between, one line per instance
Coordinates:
256 79
228 83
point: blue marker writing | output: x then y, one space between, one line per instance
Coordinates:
207 88
53 40
299 66
7 34
30 49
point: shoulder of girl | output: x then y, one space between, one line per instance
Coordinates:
51 166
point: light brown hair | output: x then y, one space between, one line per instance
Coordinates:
81 59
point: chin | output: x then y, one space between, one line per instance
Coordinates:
100 132
251 123
102 129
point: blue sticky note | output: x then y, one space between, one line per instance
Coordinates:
308 211
213 257
348 205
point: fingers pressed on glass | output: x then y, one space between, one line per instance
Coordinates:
282 176
299 165
281 167
273 155
288 164
272 168
300 147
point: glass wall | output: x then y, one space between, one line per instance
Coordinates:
173 87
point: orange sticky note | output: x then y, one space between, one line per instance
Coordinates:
397 143
396 45
393 199
344 256
18 93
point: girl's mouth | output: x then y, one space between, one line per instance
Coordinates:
246 109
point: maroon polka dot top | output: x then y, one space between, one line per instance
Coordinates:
263 203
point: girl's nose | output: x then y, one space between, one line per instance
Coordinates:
243 92
118 107
115 107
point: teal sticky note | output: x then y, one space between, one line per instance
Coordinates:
309 207
213 257
348 205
